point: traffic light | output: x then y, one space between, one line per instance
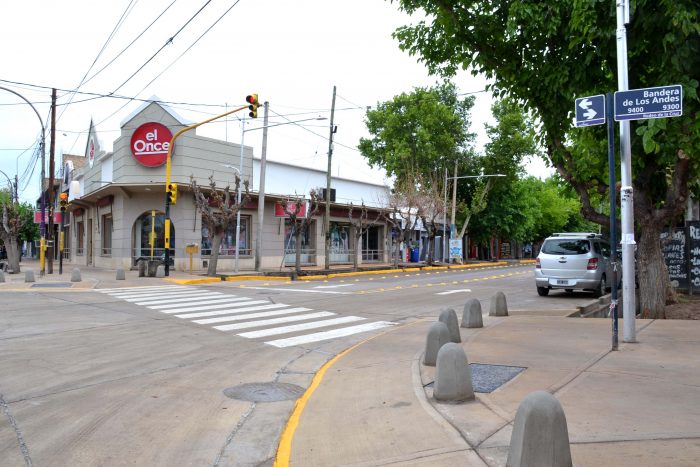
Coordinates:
172 193
252 99
63 201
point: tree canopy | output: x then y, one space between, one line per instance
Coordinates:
547 53
419 131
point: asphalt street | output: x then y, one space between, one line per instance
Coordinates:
133 374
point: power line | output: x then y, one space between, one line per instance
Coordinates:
167 43
130 43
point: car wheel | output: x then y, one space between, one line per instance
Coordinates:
568 290
542 291
600 290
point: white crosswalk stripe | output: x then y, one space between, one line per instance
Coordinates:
232 313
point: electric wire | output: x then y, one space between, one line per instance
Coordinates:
167 43
130 43
176 59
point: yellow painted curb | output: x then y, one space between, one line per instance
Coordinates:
284 449
256 278
201 280
311 278
410 269
433 268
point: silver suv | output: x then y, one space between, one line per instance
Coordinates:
574 261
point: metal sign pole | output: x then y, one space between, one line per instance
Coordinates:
613 216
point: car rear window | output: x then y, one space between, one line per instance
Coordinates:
566 247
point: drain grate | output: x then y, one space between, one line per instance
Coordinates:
52 285
487 378
264 392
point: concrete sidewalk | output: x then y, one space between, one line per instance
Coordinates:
637 406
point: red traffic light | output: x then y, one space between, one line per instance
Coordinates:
252 99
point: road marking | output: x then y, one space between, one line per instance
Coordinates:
233 311
332 334
193 298
332 286
449 292
156 294
168 296
265 314
266 322
334 292
212 301
136 289
231 303
300 327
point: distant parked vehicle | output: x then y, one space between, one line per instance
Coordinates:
575 261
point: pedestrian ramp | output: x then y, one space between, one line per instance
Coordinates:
276 324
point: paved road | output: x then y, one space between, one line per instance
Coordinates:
111 376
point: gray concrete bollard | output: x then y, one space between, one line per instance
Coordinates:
142 268
499 307
75 275
29 275
160 272
540 437
449 317
453 376
121 275
438 335
2 276
471 316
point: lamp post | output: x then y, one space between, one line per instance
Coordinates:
261 184
13 188
454 195
42 143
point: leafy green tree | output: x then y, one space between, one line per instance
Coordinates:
418 132
13 218
547 53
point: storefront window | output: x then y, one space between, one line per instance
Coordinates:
142 235
228 241
80 238
307 245
107 235
340 243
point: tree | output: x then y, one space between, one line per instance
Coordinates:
11 225
359 226
402 213
219 209
300 220
417 132
546 53
431 208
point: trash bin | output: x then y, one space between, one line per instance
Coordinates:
415 255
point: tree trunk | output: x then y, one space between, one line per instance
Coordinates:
12 254
214 257
297 249
358 246
652 272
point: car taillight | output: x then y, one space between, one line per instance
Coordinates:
538 265
592 264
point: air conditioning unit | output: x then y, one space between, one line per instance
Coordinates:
323 194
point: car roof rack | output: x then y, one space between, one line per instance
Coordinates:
577 234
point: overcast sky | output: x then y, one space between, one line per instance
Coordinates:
291 53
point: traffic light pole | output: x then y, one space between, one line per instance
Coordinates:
168 168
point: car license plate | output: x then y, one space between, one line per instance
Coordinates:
561 282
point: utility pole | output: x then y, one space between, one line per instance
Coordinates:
626 200
261 193
52 169
328 189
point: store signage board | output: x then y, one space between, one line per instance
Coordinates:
658 102
590 110
291 208
150 143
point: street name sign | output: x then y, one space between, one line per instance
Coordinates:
658 102
590 110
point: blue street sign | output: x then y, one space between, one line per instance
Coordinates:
658 102
590 110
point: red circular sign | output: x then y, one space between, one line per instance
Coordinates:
150 143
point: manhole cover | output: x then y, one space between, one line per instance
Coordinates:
264 392
488 378
52 285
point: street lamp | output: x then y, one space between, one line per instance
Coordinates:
13 188
42 244
261 184
454 202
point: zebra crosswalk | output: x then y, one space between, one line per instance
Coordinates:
246 317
